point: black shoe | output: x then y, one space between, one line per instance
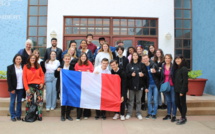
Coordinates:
13 119
40 118
63 118
159 107
148 116
104 117
154 117
69 118
173 119
143 107
96 117
19 118
164 106
181 121
167 117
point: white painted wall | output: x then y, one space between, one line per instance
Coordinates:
161 9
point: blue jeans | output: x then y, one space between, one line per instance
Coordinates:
18 112
51 92
171 106
152 95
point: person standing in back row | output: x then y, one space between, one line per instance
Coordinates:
90 45
53 48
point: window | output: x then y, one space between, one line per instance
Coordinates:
37 24
183 30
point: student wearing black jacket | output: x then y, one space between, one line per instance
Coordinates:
154 84
15 87
121 60
118 71
53 48
138 82
65 110
180 79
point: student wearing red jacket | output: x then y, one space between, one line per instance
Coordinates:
33 78
83 65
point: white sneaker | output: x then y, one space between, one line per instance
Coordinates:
139 117
23 99
85 118
52 108
47 109
78 119
116 116
122 117
127 117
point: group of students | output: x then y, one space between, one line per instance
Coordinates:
141 71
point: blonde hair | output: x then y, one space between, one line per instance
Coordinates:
74 54
109 51
36 51
67 55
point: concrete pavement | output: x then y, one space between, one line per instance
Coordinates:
53 125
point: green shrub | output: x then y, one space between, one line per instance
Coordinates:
3 75
193 74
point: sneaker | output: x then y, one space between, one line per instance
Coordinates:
62 118
116 116
18 118
86 118
148 116
181 121
154 117
104 117
173 119
52 109
23 99
167 117
139 117
127 117
78 119
47 109
122 117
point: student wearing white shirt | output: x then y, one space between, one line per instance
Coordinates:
51 93
15 87
103 68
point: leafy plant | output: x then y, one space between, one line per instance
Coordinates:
3 75
193 74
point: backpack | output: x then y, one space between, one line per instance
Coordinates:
32 114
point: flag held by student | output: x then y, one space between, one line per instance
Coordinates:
91 91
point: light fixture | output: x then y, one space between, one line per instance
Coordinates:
168 36
53 34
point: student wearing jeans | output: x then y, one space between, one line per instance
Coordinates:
15 87
137 79
51 93
167 76
152 90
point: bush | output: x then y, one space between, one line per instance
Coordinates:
193 74
3 75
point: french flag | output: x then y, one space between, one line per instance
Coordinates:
90 91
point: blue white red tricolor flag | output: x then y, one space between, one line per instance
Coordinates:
91 91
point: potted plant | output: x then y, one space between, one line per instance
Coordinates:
195 85
3 84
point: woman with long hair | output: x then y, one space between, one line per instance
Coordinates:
33 78
137 78
181 86
167 76
84 49
15 87
104 52
159 60
83 65
51 93
151 52
130 51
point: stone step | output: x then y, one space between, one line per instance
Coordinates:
190 103
192 111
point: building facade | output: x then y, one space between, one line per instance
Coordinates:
172 25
